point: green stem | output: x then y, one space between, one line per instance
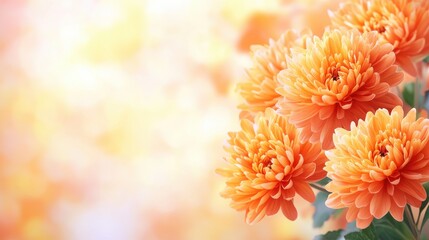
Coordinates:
318 187
409 220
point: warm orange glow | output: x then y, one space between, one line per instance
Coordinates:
113 112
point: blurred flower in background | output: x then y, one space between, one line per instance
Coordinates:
114 113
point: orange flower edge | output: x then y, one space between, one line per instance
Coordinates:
403 23
258 89
268 167
379 166
337 79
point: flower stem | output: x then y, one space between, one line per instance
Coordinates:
318 187
409 219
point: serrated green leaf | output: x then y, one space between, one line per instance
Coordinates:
365 234
322 212
331 235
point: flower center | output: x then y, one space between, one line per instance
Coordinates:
333 78
335 75
264 159
383 151
375 24
380 29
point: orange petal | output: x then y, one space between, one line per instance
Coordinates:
363 223
375 187
289 210
399 198
352 213
304 190
363 199
272 207
414 189
380 205
396 211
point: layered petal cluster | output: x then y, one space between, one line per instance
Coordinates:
268 167
337 79
403 23
258 87
379 166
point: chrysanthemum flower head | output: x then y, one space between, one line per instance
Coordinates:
258 87
337 79
379 166
403 23
268 167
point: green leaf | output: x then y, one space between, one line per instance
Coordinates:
426 59
386 232
386 228
331 235
408 94
324 181
322 212
365 234
390 229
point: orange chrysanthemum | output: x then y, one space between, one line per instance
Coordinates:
336 80
258 89
268 166
403 23
379 166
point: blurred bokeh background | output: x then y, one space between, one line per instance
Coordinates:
113 114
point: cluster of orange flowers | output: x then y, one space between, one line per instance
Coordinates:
317 107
